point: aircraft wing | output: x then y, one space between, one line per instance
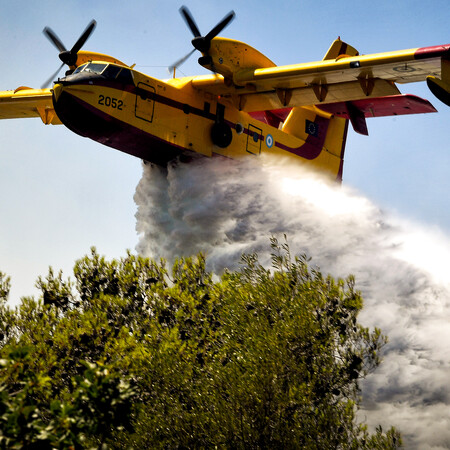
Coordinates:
404 66
26 102
344 78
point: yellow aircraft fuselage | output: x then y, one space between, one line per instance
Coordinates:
159 120
248 107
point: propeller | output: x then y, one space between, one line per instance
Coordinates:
201 43
68 57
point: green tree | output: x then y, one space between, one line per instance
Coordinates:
5 286
100 402
127 355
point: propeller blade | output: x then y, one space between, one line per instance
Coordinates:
202 43
67 57
84 37
220 26
51 36
181 61
187 16
47 83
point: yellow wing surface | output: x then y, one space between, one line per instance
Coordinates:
343 75
252 82
26 102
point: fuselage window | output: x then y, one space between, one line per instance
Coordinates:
95 68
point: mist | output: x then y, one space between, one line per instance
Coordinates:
225 208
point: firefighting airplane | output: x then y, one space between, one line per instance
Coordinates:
246 106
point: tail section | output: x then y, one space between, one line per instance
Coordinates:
324 136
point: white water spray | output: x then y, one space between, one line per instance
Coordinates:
224 209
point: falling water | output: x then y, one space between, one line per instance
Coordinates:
225 208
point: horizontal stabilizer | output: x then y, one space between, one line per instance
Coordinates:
393 105
357 111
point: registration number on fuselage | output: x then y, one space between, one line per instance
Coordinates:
111 102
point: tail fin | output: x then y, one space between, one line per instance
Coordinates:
324 137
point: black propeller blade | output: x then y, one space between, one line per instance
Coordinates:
201 43
220 26
181 61
52 77
68 57
84 37
187 16
54 39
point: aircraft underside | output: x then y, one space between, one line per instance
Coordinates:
90 122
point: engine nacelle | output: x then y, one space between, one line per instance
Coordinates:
440 89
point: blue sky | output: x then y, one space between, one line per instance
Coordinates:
62 193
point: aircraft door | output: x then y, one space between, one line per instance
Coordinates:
145 102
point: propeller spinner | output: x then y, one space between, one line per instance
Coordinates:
201 43
68 57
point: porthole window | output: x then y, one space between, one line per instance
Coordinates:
239 128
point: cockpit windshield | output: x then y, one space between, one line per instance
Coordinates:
79 69
95 68
109 71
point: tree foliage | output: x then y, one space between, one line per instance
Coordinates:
130 356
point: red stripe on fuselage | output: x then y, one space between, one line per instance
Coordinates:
313 145
86 120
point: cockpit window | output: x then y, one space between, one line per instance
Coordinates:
111 71
79 68
95 68
108 71
125 76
